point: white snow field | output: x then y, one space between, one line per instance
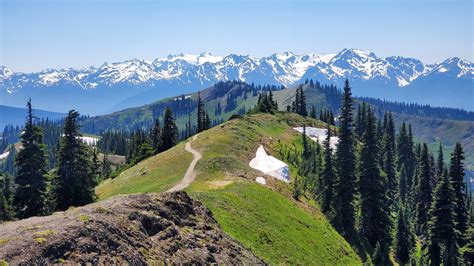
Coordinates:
89 140
319 135
270 165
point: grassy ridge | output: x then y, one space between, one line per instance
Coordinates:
155 174
264 219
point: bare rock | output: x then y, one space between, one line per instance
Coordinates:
136 229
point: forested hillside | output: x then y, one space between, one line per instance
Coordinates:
430 124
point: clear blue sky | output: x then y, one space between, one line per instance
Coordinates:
39 34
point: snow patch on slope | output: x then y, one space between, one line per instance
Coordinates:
319 135
270 165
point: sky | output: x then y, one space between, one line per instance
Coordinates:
36 34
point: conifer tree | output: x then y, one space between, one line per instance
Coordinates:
170 131
312 114
207 122
302 109
5 208
403 187
403 238
95 169
405 156
106 168
388 147
440 162
327 175
201 116
155 135
344 188
30 179
374 208
423 192
74 184
442 242
456 174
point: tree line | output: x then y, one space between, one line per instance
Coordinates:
383 192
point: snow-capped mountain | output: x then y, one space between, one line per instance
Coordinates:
123 84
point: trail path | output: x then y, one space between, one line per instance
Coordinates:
190 174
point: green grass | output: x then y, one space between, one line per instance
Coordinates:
264 219
155 174
276 228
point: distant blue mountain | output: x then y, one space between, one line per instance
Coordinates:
17 116
114 86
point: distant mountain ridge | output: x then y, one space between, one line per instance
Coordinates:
17 116
114 86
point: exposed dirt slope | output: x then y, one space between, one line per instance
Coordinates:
146 228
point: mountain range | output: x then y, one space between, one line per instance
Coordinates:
114 86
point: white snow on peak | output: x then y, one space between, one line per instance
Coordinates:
285 68
270 165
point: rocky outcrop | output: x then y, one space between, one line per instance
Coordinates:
136 229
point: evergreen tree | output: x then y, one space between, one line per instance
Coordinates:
95 170
74 184
379 257
312 114
440 162
302 109
201 116
388 147
30 179
170 131
207 122
344 188
403 238
155 135
456 174
405 156
106 167
327 175
374 208
5 208
442 244
423 192
403 187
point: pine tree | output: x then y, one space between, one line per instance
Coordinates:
378 257
106 167
403 187
74 184
200 114
374 208
95 169
30 194
327 175
440 162
423 192
405 156
312 114
403 238
207 122
170 131
344 188
155 135
302 109
456 174
442 231
388 147
5 208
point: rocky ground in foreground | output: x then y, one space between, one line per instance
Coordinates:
147 228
